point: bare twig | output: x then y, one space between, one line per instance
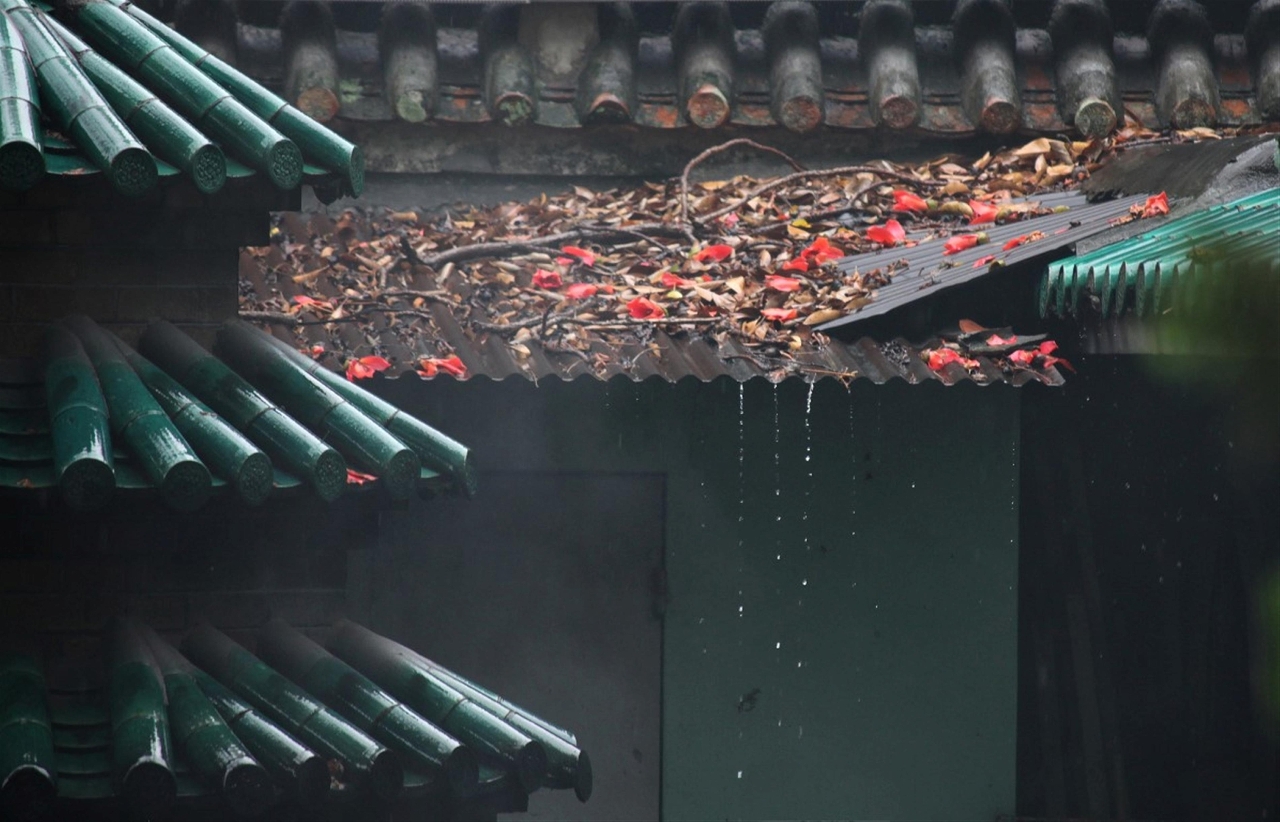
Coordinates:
852 205
279 318
801 176
502 248
624 324
720 149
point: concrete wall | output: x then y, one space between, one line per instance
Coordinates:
840 592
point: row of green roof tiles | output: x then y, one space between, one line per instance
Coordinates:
137 100
188 422
258 730
1172 264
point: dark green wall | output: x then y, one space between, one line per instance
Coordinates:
853 565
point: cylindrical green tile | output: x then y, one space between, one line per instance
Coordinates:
436 450
230 454
141 756
78 423
139 421
129 43
74 104
364 760
28 770
361 440
319 144
283 438
428 688
367 706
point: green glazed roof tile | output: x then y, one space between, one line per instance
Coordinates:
1170 267
176 419
103 87
228 734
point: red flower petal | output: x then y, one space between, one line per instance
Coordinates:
642 308
453 365
778 283
355 477
982 212
821 251
959 243
1015 242
890 234
906 201
670 280
303 299
1047 347
798 264
580 291
996 339
588 258
714 253
987 260
940 358
780 315
547 279
1156 205
359 369
1023 357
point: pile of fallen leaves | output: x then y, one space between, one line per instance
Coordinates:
741 258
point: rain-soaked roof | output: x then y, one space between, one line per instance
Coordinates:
95 418
104 87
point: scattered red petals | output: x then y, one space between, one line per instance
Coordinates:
714 253
453 365
780 315
778 283
821 251
1156 205
960 242
316 351
670 280
982 261
643 308
355 477
906 201
982 212
996 339
890 234
1041 355
940 358
359 369
1015 242
587 257
798 264
580 291
305 301
549 280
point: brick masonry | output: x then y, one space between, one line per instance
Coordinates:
75 246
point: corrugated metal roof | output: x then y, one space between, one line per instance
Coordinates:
199 743
921 272
1179 263
103 87
673 358
235 449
